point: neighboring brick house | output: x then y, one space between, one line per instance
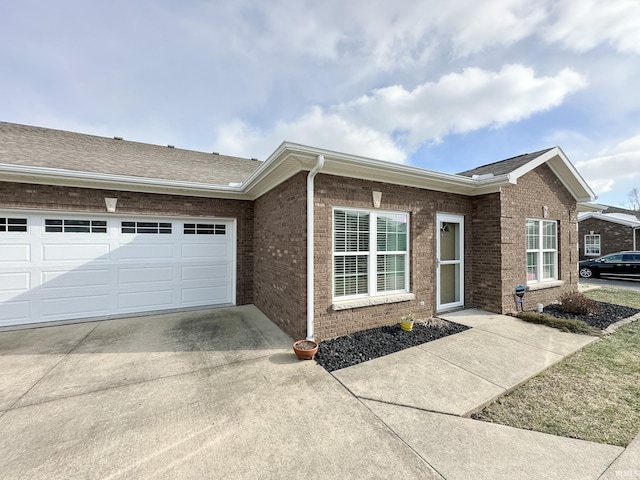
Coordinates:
608 231
94 227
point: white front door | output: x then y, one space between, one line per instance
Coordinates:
449 261
62 266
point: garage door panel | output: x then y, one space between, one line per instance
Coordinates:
15 253
145 275
12 313
195 296
136 252
49 276
75 252
144 300
77 306
77 278
206 272
15 282
205 251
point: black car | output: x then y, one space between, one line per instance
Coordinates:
621 264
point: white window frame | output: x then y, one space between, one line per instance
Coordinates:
589 246
540 251
371 254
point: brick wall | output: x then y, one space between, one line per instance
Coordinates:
486 253
281 254
613 236
422 205
533 191
70 199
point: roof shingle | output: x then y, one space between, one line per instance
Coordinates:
504 167
44 147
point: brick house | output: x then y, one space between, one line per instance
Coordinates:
94 227
609 230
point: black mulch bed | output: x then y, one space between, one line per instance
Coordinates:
609 314
377 342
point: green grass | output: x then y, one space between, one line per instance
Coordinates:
628 298
592 395
565 324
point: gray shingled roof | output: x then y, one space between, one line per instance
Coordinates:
626 211
504 167
44 147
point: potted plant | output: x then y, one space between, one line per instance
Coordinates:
406 322
305 349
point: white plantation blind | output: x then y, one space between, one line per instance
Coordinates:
370 252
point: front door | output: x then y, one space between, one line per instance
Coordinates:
450 261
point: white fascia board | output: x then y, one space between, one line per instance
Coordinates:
71 178
608 218
563 169
354 166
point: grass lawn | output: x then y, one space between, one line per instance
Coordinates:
593 395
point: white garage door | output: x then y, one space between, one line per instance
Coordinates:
63 266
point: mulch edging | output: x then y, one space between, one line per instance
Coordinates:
620 323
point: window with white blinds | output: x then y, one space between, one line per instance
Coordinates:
370 253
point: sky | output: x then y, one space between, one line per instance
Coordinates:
443 85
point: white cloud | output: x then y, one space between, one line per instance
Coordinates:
393 121
582 25
617 169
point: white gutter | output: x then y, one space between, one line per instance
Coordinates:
310 247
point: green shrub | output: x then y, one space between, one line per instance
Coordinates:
564 324
578 304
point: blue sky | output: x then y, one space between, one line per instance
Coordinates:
441 85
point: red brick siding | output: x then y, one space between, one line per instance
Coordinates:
280 281
486 253
71 199
422 205
613 236
538 188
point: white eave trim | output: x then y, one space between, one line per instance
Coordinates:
58 176
609 218
564 170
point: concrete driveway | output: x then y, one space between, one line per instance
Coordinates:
203 394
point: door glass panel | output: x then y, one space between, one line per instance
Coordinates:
449 284
449 241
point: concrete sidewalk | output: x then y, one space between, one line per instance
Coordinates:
421 393
461 373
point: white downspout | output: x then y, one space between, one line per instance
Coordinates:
310 249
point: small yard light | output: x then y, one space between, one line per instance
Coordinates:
520 289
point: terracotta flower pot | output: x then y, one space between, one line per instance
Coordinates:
305 349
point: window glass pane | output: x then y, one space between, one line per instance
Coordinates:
351 231
350 274
548 265
532 266
391 233
13 224
532 235
549 235
391 272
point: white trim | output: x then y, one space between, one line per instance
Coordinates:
546 284
540 251
608 218
291 158
585 244
372 256
450 218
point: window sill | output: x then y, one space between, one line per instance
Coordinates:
542 285
370 301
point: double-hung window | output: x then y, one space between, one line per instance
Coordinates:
370 253
592 245
542 250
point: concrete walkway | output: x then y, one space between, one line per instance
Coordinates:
424 393
219 394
